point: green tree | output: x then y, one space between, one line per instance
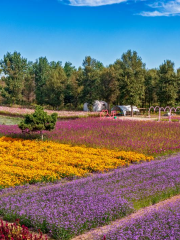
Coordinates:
118 68
55 65
91 79
14 67
178 86
151 80
42 72
73 89
29 85
167 85
132 78
38 121
109 87
69 69
54 87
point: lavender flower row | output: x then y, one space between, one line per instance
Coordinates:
66 210
156 224
69 209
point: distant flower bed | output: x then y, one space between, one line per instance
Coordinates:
23 111
147 137
69 209
26 161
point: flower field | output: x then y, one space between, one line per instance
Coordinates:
75 150
27 161
147 137
68 209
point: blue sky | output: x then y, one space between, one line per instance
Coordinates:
69 30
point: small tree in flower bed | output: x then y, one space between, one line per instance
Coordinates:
15 232
38 121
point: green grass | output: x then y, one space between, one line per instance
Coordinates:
6 120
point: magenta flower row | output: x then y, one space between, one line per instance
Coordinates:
140 136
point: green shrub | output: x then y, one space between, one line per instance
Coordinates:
38 121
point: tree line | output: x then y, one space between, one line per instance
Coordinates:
125 82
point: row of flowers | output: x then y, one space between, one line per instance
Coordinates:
29 161
69 209
156 223
147 137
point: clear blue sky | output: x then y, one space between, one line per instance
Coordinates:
69 30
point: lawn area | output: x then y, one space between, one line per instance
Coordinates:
7 120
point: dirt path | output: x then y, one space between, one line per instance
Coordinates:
140 118
92 234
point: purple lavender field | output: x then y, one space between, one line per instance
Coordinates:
156 224
146 137
69 209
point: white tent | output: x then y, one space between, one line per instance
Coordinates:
85 107
125 109
98 106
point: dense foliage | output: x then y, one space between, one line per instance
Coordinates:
38 121
126 81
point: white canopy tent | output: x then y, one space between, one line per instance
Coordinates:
125 109
98 106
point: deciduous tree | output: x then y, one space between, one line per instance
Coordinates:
151 81
29 85
14 67
109 87
91 79
54 87
132 79
42 73
167 84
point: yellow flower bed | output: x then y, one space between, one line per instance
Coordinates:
27 161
